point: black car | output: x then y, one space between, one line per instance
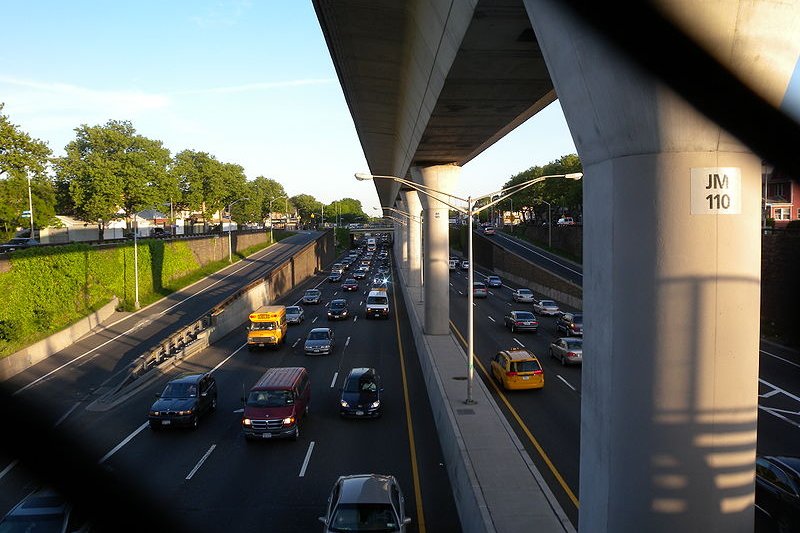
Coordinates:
361 394
338 309
571 324
183 401
335 277
778 490
18 243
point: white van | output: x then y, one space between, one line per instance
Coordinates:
377 304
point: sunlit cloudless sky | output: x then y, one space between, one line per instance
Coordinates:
250 82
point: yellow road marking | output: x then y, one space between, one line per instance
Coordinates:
409 425
522 425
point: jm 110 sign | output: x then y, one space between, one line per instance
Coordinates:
716 191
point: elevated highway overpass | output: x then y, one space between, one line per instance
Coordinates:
671 279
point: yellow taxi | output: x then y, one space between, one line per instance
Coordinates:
517 368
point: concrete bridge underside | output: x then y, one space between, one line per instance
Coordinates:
671 281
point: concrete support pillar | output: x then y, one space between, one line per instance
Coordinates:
440 179
401 238
671 275
414 244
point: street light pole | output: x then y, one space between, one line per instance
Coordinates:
470 212
549 225
30 204
230 225
136 260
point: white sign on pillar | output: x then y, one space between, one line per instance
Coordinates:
716 191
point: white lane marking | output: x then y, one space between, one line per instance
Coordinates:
201 461
315 319
779 357
459 292
295 343
515 340
567 383
308 458
333 381
770 393
787 393
227 358
492 319
347 342
536 252
123 443
7 469
490 292
355 318
64 417
237 411
775 413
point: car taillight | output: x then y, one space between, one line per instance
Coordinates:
537 372
511 374
571 354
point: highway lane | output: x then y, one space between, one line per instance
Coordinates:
547 260
549 420
214 480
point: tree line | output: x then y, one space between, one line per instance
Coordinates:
110 172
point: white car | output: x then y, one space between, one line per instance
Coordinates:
523 296
546 308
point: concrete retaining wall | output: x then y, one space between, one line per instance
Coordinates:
27 357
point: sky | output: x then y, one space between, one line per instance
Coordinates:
248 81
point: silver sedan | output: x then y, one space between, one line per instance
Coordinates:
546 307
569 350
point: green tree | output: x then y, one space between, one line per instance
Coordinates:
264 193
348 209
562 194
306 205
201 178
23 158
113 171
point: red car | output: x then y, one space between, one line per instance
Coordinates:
350 284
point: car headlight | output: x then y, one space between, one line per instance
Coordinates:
186 412
344 403
155 413
247 422
288 421
375 404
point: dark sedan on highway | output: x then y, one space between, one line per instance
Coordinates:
521 321
337 310
183 401
350 284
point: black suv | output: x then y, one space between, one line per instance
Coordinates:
361 394
183 401
571 324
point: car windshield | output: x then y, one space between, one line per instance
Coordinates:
292 310
524 315
18 241
363 383
179 390
525 366
338 306
548 303
574 344
364 517
380 300
525 292
270 398
264 325
312 294
318 335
